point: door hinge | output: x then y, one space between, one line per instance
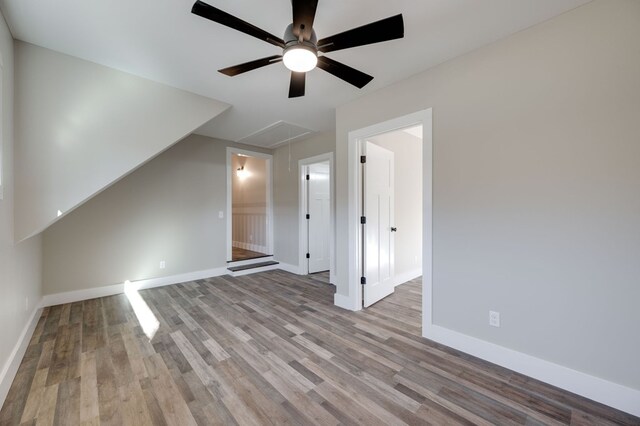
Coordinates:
363 280
308 216
363 220
363 159
308 177
308 256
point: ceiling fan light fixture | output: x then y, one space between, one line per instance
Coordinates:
301 46
300 58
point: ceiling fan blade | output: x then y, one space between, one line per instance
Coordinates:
345 72
386 29
249 66
216 15
304 12
296 88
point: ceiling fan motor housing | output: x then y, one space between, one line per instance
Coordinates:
291 41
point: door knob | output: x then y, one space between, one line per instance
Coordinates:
394 229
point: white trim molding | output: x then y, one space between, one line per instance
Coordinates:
407 276
10 368
345 302
92 293
595 388
287 267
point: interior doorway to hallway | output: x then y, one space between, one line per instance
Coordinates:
249 210
316 215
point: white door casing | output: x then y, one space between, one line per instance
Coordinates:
378 203
319 222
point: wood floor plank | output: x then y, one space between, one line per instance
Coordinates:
89 403
108 398
47 412
35 396
68 403
359 391
16 399
175 410
269 348
133 405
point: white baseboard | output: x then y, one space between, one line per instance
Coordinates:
92 293
344 302
600 390
407 276
295 269
252 247
10 368
287 267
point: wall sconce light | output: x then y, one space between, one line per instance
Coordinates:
242 173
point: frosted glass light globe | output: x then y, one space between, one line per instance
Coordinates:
300 59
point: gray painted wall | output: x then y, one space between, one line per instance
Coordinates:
407 151
20 264
166 210
286 196
536 179
82 126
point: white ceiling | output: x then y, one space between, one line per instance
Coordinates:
162 41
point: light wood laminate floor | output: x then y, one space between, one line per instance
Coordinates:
238 254
268 348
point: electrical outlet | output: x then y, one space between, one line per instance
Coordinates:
220 214
162 264
494 319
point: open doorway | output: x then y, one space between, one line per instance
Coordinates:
383 193
249 206
316 216
392 208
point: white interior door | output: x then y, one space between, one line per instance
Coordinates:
319 223
378 203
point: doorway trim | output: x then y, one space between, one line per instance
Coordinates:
269 158
302 221
355 140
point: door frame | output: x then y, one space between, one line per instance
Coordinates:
269 158
355 140
303 243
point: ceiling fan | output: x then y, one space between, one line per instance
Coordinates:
301 47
